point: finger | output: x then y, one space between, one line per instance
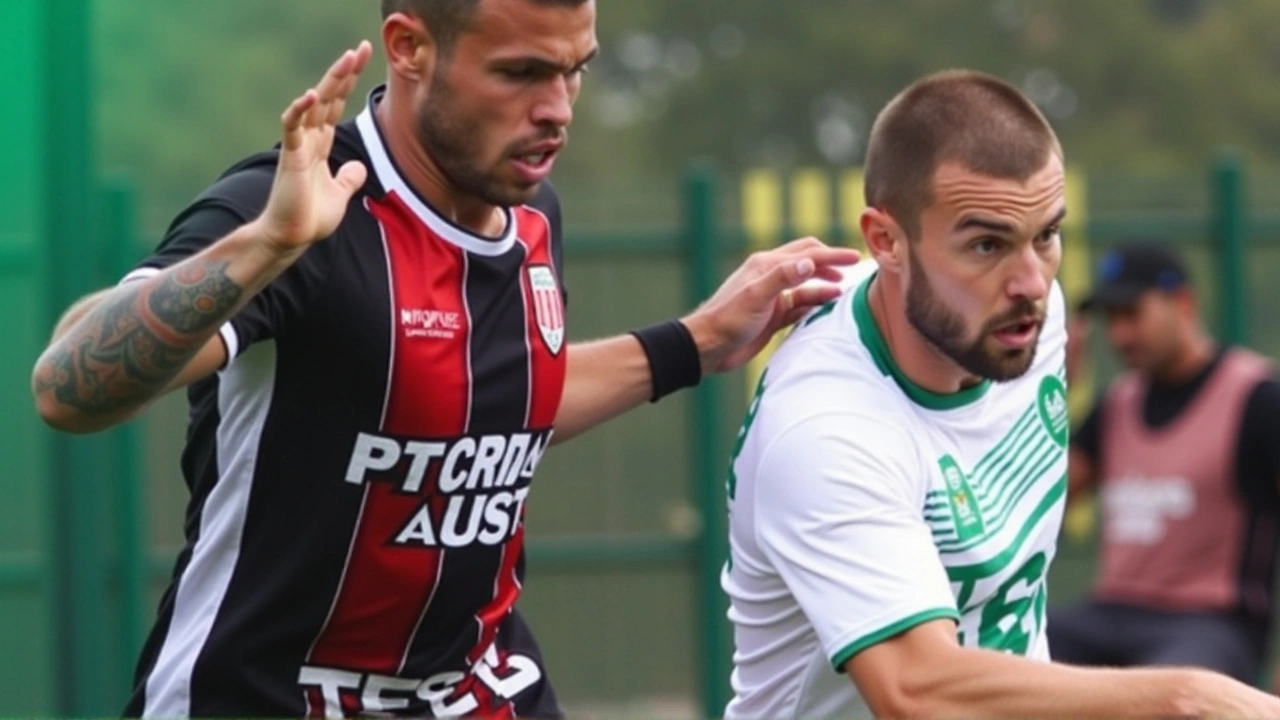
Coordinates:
811 296
783 273
330 89
828 273
351 177
334 111
364 51
824 255
291 120
803 243
336 103
332 79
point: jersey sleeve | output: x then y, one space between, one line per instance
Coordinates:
839 515
224 207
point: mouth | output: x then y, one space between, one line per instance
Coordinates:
535 164
1019 334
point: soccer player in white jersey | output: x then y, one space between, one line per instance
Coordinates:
898 484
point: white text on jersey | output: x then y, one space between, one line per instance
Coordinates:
481 485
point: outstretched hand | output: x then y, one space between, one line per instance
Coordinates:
307 200
768 292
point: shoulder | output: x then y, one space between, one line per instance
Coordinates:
823 408
246 185
822 461
1252 363
824 367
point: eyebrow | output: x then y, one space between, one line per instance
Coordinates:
549 65
974 222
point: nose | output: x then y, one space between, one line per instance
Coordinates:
555 106
1028 278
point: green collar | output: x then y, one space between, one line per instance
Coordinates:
870 335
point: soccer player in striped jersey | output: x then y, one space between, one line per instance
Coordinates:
898 485
369 322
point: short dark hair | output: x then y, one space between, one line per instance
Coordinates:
448 19
964 116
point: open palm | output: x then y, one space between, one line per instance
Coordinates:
307 199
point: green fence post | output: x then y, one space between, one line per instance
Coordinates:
120 225
1230 229
702 238
82 625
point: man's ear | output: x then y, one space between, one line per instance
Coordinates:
885 239
411 50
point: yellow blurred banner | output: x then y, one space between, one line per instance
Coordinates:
762 219
852 203
811 203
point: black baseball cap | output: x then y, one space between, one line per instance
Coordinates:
1126 272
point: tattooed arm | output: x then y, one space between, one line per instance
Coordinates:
119 349
137 340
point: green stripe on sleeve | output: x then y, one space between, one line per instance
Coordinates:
897 628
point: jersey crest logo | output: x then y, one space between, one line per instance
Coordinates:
547 307
1051 403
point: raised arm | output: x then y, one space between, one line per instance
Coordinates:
116 351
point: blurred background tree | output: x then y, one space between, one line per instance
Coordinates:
1147 86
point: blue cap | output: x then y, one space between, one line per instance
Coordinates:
1125 273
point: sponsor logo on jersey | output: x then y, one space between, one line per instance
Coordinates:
448 693
547 306
473 487
965 512
440 324
1051 401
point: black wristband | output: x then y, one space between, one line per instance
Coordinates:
673 356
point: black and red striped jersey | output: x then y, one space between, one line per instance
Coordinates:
359 468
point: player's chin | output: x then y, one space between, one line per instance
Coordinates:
1005 364
513 193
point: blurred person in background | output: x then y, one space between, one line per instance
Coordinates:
897 486
1183 451
369 322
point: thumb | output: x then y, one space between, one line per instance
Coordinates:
351 177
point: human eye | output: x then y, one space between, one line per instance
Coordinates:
986 246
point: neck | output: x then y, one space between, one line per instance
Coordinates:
915 356
396 120
1197 352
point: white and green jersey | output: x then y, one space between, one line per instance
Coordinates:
862 504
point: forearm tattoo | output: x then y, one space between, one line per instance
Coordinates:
134 343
